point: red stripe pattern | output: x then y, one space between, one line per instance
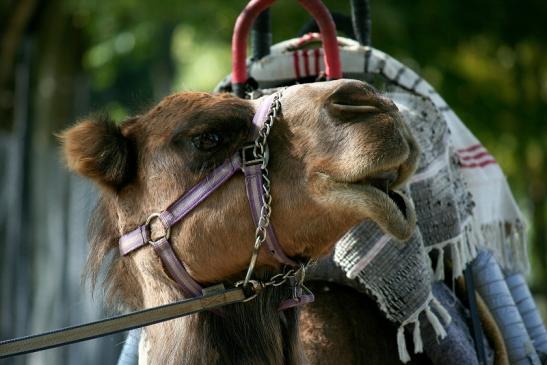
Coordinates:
296 64
474 156
306 62
310 61
316 56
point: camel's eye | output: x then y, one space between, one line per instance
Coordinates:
207 141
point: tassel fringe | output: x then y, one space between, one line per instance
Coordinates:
439 269
417 337
441 311
414 323
434 320
504 240
401 345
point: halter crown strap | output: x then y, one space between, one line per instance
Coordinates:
254 183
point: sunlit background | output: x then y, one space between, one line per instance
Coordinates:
62 59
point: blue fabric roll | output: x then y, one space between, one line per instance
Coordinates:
528 310
491 285
130 350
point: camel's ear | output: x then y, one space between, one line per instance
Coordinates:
96 148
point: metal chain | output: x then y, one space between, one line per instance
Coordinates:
260 151
280 279
277 280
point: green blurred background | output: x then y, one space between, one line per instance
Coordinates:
487 58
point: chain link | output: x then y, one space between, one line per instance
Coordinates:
277 280
280 279
259 151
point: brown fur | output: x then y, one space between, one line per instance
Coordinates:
97 149
322 153
346 327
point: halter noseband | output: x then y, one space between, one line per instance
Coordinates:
252 160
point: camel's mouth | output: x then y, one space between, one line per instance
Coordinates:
389 208
385 182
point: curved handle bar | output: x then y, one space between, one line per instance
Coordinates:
242 27
357 27
261 35
360 17
343 24
333 67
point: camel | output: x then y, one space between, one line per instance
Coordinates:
337 151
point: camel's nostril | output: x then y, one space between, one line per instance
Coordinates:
352 93
348 108
355 98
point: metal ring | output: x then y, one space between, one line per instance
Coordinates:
254 284
167 229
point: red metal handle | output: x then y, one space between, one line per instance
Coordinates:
245 20
327 29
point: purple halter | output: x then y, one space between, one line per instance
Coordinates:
179 209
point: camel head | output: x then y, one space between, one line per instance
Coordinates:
337 151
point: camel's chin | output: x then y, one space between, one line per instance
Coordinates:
390 209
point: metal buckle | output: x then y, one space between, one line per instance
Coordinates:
249 159
166 229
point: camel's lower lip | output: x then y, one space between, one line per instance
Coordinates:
391 197
371 197
393 211
399 201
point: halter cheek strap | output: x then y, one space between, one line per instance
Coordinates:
184 205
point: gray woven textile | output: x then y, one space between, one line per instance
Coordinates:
443 204
397 275
454 213
376 262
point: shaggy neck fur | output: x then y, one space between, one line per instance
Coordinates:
244 334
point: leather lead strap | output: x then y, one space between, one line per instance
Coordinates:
60 337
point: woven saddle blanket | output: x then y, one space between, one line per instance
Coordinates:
462 199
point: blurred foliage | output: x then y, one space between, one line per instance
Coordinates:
488 59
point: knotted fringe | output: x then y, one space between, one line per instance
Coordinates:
434 320
439 270
401 345
506 241
441 311
462 252
432 308
463 249
417 338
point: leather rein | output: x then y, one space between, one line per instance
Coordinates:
252 160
